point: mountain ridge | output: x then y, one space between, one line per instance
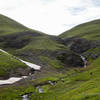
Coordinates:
82 29
63 74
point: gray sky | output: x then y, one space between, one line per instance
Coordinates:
51 16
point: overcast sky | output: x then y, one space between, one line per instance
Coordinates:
51 16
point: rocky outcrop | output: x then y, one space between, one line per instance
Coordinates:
21 72
71 59
18 40
18 72
80 45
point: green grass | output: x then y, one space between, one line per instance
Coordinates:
41 46
9 63
42 43
52 62
12 34
77 84
93 50
8 26
15 93
89 30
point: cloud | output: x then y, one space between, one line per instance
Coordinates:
51 16
47 1
96 2
76 10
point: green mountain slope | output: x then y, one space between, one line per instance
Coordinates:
31 45
11 67
75 84
8 26
89 30
37 47
61 61
84 39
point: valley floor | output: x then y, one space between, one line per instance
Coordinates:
75 84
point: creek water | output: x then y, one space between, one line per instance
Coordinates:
40 90
84 60
51 83
25 97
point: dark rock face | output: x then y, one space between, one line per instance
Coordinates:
34 55
17 40
4 77
80 45
75 60
68 41
16 44
94 56
71 59
20 72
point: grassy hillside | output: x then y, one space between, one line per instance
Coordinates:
75 84
79 84
32 45
8 25
60 60
28 44
9 66
84 38
88 30
37 47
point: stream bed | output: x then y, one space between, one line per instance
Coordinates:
25 97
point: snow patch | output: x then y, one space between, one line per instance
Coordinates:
12 80
31 65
